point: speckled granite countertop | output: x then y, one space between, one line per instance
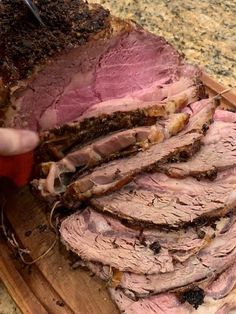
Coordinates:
205 31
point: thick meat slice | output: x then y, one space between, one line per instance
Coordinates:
159 304
164 201
114 175
217 153
107 148
109 116
218 297
225 116
156 92
168 303
190 92
208 263
100 238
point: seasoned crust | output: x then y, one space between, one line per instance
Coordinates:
25 44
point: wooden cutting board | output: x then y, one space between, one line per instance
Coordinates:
51 285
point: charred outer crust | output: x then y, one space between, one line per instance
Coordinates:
203 220
4 100
194 296
72 196
57 142
25 44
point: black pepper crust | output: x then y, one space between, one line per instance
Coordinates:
24 43
194 296
59 141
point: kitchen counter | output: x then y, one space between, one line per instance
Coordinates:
7 305
205 31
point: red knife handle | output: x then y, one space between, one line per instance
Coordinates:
17 168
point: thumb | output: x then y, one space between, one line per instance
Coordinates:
15 142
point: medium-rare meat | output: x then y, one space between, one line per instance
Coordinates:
113 175
88 74
107 148
168 303
222 285
34 63
218 296
100 238
197 298
73 28
208 263
81 58
217 153
109 116
161 304
157 92
164 201
190 92
225 116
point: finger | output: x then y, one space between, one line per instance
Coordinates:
15 142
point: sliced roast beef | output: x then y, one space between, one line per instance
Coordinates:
225 116
217 153
218 297
208 263
107 148
196 298
197 106
189 94
164 201
168 303
157 92
109 116
113 175
79 59
86 75
222 285
38 64
100 238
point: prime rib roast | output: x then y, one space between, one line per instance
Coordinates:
114 145
131 142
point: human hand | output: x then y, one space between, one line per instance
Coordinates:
16 154
15 142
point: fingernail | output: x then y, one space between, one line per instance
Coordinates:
29 140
